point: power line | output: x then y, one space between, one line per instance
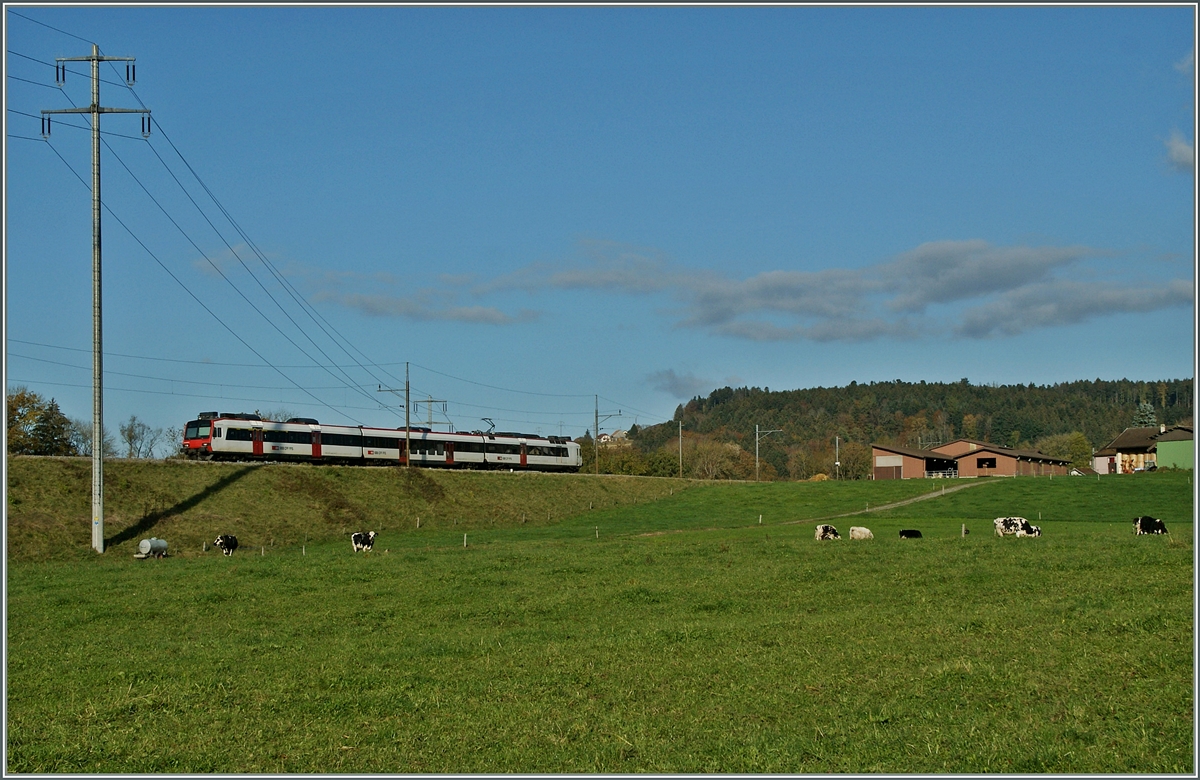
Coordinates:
349 383
43 24
170 360
230 281
505 389
77 127
30 81
170 379
189 292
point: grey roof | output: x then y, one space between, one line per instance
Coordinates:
912 453
1178 433
1131 440
983 447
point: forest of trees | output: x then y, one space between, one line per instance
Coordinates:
1065 420
817 431
36 426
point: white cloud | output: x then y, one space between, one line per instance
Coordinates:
1067 302
420 309
1006 290
1187 64
947 271
1180 153
684 386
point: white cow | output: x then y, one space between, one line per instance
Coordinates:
857 532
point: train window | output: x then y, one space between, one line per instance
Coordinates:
191 431
381 442
239 434
343 440
217 433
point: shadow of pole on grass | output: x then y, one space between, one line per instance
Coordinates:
149 521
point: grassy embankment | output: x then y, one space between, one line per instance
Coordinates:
725 647
284 506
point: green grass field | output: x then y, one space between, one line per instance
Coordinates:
666 631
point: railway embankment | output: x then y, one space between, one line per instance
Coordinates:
279 505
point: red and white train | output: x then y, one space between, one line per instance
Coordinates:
226 436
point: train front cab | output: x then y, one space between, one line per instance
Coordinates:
197 439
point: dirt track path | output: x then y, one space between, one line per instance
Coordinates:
925 497
934 494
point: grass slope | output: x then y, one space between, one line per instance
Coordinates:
188 504
724 647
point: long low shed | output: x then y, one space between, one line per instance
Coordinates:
963 458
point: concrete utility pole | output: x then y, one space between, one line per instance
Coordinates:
407 442
681 449
596 439
429 402
407 424
757 436
60 73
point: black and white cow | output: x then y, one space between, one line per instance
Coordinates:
227 543
1148 525
910 533
1015 526
363 540
826 532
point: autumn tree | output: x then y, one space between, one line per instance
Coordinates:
36 426
139 438
1069 446
81 438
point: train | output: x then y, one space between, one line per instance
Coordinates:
242 436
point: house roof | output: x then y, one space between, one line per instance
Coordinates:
1086 471
910 452
1018 454
1131 440
981 446
1178 433
976 442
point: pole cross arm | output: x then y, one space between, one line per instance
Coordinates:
96 110
95 58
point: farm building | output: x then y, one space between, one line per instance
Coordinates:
963 458
981 459
1130 451
1175 448
904 463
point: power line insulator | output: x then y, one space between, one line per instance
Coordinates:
60 73
145 126
45 127
130 73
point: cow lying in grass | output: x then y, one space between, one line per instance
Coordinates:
910 533
1148 525
1015 526
363 540
858 532
826 532
227 543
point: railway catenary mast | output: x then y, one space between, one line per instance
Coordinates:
60 73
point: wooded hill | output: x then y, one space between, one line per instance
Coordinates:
917 415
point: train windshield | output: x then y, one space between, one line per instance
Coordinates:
198 429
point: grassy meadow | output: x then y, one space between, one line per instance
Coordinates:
605 625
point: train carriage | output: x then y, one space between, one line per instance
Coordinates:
229 436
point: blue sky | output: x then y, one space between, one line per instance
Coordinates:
538 206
